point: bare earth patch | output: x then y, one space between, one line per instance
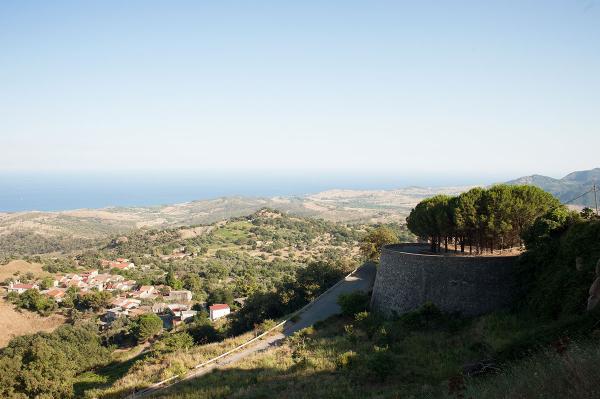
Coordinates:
8 270
15 323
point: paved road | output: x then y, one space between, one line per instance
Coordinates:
323 308
326 306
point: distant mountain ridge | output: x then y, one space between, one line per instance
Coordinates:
571 186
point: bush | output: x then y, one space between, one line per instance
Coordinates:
369 323
346 360
174 342
553 283
147 326
34 301
266 325
353 303
381 363
203 332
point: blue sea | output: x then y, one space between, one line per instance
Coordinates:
62 191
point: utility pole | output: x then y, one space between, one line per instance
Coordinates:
596 198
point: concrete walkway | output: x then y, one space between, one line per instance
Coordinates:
323 308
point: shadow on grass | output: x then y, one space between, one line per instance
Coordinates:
105 376
265 383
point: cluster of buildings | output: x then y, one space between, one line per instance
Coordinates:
84 282
175 304
119 263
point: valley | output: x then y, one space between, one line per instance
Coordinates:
28 233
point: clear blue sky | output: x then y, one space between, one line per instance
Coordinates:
502 89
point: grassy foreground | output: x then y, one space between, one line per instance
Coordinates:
422 355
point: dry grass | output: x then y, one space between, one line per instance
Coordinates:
15 323
150 370
22 267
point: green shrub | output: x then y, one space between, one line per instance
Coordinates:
175 341
147 326
553 285
353 303
34 301
346 360
369 323
381 363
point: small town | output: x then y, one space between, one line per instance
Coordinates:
127 298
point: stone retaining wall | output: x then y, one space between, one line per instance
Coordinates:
470 285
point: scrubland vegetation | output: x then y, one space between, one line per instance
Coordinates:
276 262
544 347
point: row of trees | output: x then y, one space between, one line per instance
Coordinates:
482 219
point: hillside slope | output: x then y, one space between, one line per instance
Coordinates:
24 233
566 188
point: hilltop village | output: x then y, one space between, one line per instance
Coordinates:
124 297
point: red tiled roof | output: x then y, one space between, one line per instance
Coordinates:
56 293
219 306
24 286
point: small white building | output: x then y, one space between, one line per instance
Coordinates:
187 314
20 288
218 310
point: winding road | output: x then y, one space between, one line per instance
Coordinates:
322 308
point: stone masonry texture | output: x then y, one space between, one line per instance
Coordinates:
470 285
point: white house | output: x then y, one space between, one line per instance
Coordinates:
219 310
21 288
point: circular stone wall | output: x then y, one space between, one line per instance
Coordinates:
470 285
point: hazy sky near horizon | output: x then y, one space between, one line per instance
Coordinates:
500 88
